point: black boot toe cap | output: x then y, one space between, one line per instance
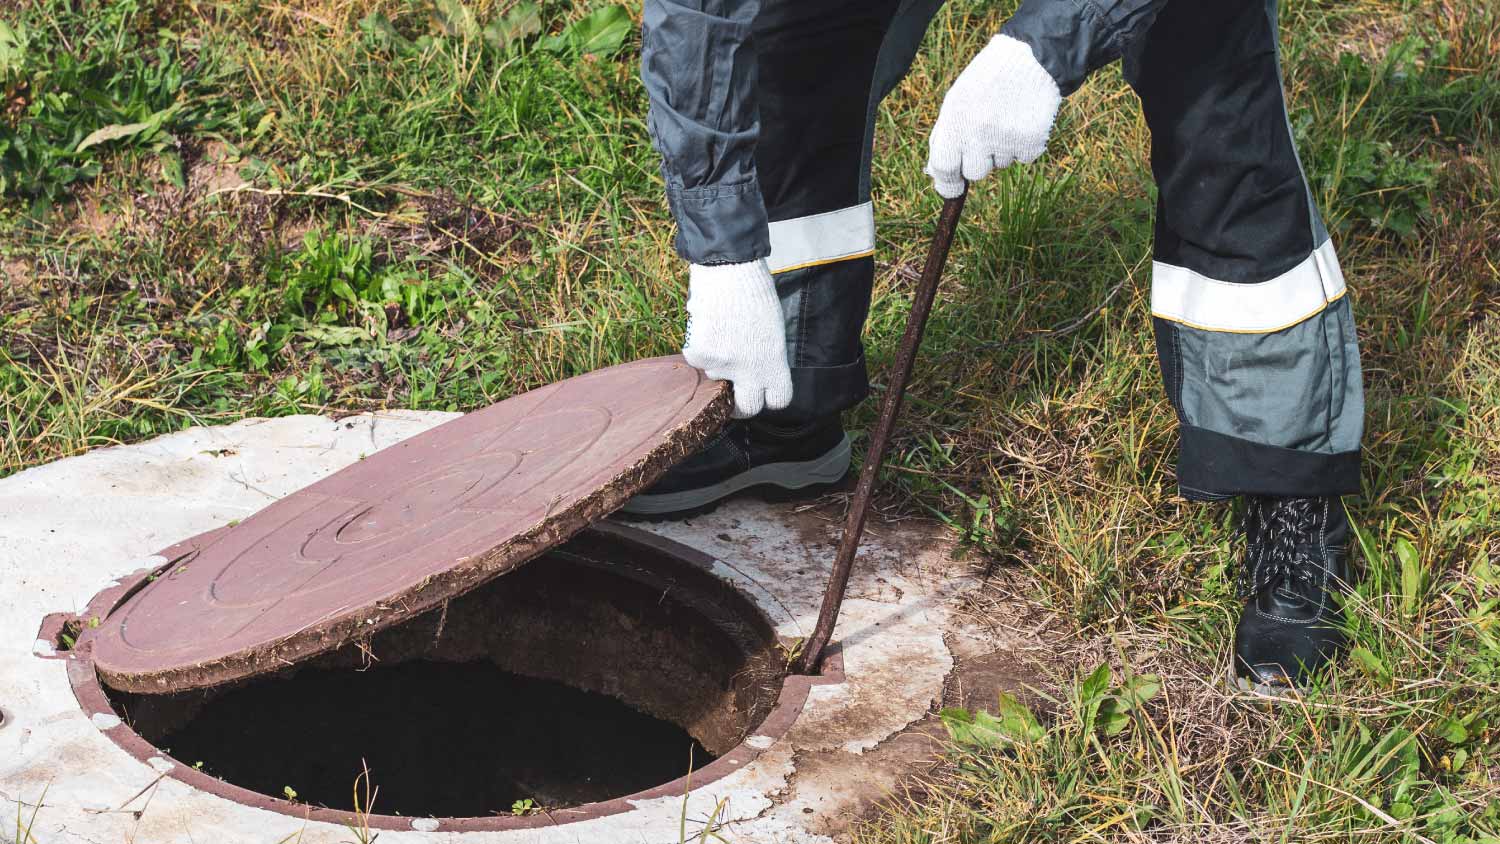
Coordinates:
1272 655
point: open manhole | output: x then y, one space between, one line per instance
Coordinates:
352 653
600 671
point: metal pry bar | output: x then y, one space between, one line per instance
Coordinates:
859 506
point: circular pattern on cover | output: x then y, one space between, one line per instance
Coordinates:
407 528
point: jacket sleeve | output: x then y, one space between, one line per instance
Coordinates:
699 67
1073 38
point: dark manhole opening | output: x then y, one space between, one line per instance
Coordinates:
446 739
597 671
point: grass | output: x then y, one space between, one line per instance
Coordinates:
343 205
26 820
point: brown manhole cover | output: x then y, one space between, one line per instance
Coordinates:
407 528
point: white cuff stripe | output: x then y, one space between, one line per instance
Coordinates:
822 238
1182 295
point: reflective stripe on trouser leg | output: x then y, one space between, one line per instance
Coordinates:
838 235
823 68
1253 326
824 275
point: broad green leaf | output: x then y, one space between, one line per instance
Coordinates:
341 289
256 357
1091 693
1369 662
959 722
1411 573
956 715
381 32
266 123
1132 693
335 335
1095 685
1139 688
455 19
12 48
1483 571
1453 731
117 131
601 33
1013 723
171 169
1114 715
1016 720
515 26
113 132
988 730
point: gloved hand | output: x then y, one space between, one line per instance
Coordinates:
736 333
999 111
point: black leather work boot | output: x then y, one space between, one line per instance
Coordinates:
777 462
1296 562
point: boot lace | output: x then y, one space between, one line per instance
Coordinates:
1279 530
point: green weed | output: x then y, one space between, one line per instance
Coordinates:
26 821
521 808
81 80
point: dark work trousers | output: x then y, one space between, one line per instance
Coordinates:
1253 330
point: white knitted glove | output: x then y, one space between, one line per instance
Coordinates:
999 111
735 333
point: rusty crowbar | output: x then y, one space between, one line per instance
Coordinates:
854 525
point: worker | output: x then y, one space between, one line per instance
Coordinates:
764 113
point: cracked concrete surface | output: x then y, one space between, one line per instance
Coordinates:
71 528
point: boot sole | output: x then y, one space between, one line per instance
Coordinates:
790 481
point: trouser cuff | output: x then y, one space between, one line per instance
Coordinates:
1213 466
821 391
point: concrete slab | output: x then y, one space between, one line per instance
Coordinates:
71 528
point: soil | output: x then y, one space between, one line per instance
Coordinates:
216 170
440 739
17 273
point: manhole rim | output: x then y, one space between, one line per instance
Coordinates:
95 704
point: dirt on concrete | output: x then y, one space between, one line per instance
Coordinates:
837 794
836 790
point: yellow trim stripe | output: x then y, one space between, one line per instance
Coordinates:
820 263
